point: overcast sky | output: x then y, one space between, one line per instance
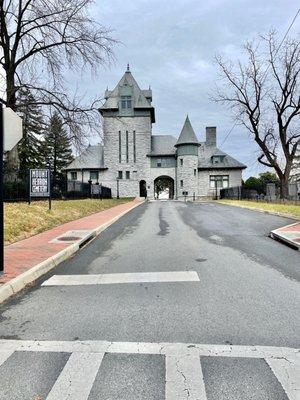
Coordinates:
171 44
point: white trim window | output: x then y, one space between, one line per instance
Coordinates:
218 181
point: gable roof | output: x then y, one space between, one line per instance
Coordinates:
187 135
90 158
162 145
141 98
226 161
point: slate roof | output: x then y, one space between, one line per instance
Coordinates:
187 135
226 162
141 98
90 158
163 145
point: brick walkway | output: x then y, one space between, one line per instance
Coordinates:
25 254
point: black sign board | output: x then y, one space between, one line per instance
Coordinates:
96 189
39 183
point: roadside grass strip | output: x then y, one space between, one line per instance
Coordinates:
184 378
107 279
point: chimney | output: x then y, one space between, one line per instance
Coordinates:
211 136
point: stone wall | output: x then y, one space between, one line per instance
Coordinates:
204 190
139 170
186 174
157 172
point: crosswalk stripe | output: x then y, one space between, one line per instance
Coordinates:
4 355
76 379
101 346
118 278
184 378
287 371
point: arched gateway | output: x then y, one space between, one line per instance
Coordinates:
164 187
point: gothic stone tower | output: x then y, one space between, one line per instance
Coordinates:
187 161
127 127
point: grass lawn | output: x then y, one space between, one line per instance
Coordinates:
287 210
22 220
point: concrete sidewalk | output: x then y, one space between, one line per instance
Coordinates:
26 260
289 234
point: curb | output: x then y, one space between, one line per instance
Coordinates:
17 284
277 235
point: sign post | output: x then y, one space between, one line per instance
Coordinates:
1 192
40 184
10 135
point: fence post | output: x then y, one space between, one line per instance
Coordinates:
90 188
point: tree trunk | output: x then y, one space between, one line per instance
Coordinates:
284 188
12 156
11 97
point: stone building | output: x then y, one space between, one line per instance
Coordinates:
295 172
133 162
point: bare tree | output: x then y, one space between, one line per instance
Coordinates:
264 94
41 41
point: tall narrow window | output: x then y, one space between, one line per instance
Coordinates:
181 183
120 148
134 147
181 161
127 155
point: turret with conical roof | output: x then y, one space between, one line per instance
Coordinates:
187 135
187 161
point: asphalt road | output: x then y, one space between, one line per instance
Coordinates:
248 294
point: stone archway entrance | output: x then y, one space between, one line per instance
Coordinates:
143 188
164 187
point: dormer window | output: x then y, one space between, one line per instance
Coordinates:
126 102
217 159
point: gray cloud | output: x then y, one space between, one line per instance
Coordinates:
171 46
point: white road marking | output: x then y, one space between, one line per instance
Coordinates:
4 355
287 371
99 346
76 379
138 277
184 379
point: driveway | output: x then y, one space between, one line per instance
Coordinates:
191 281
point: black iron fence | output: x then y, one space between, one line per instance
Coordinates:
16 188
271 193
77 189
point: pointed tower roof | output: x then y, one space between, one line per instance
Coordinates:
128 85
187 135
